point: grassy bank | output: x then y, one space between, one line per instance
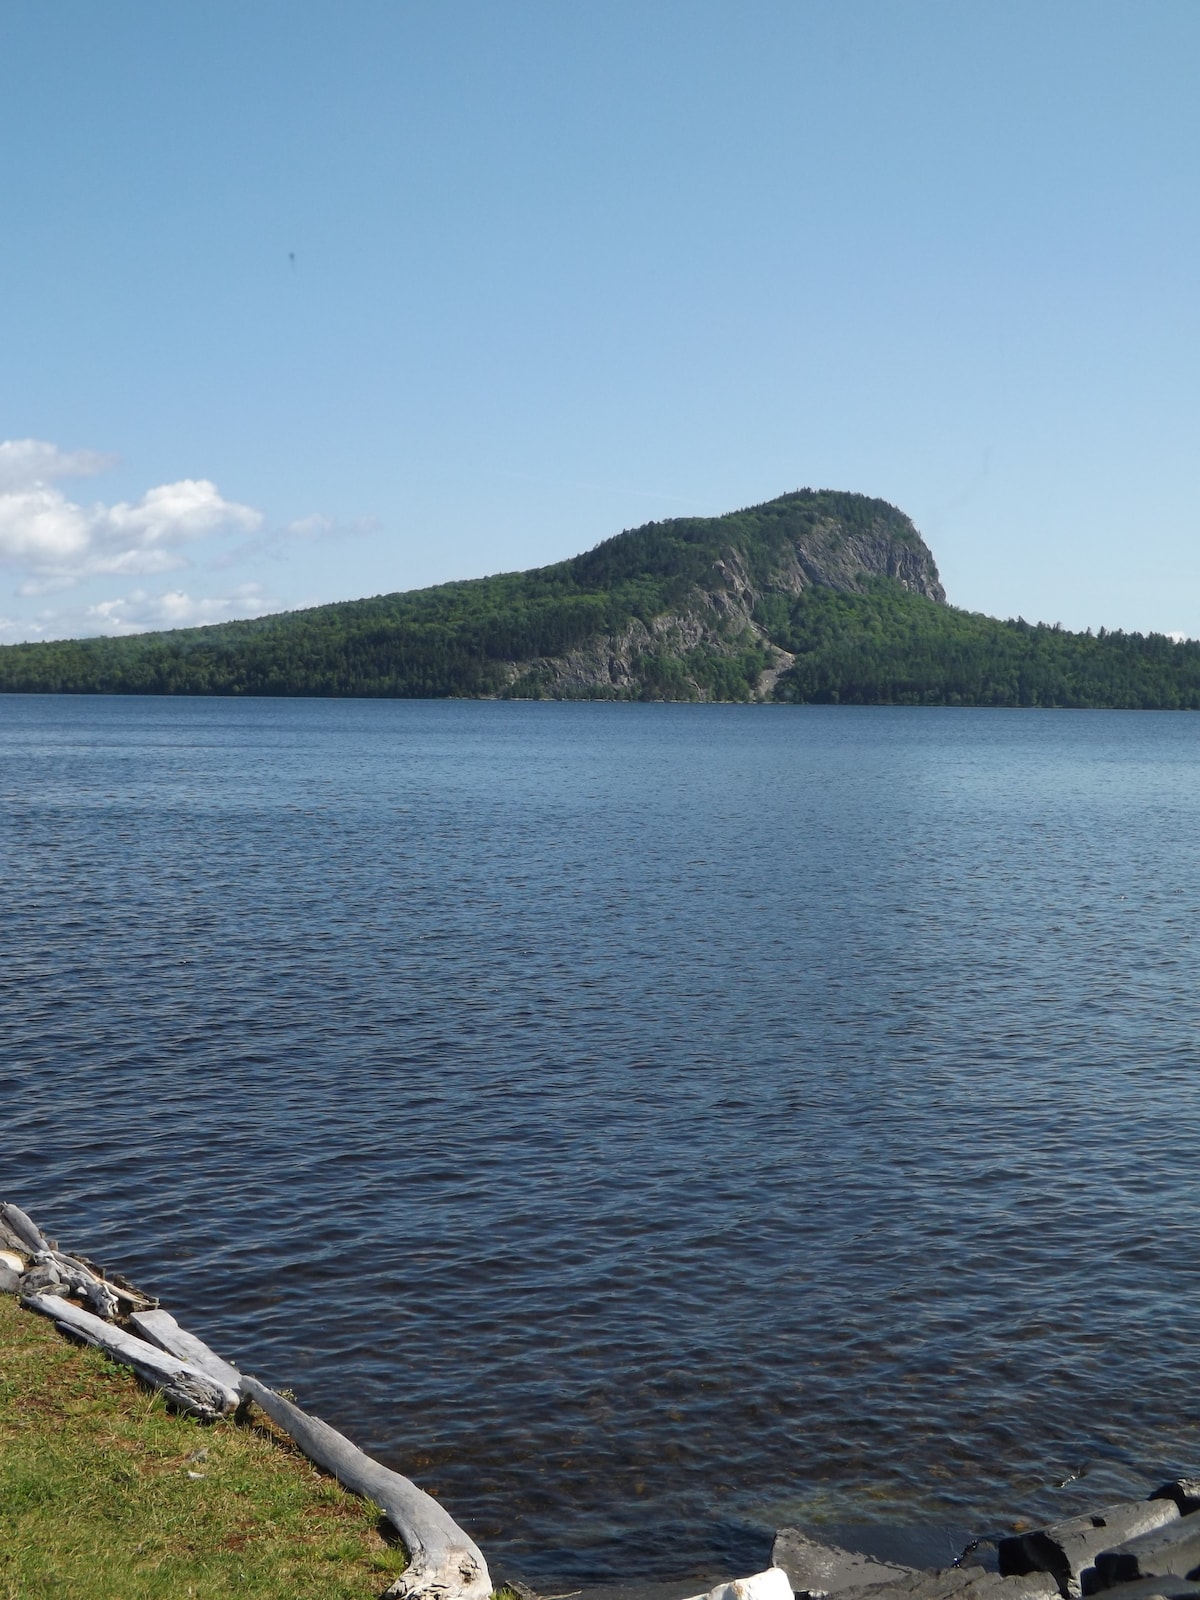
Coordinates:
104 1494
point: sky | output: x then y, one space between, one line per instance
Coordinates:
304 302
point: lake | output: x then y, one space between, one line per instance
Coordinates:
643 1125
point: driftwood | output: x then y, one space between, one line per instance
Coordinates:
24 1229
81 1280
52 1266
444 1563
161 1329
184 1385
12 1243
97 1288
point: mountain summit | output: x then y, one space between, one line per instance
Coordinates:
685 609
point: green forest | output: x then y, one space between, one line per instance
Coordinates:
859 634
893 648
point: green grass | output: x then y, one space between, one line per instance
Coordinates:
96 1501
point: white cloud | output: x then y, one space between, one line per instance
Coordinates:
139 611
57 542
314 527
30 463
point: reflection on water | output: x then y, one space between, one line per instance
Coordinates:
641 1124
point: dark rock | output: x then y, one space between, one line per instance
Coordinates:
51 1291
1184 1491
979 1553
819 1569
1171 1551
960 1583
10 1281
1149 1588
1067 1549
41 1280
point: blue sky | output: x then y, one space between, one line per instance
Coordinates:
306 302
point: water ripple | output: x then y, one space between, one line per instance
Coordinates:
642 1124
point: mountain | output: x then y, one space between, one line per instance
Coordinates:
815 596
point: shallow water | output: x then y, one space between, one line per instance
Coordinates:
641 1124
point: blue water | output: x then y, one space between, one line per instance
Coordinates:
643 1125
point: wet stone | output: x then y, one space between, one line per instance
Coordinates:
960 1583
821 1569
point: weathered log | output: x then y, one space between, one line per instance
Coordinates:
12 1241
184 1385
444 1562
1069 1548
24 1228
823 1569
161 1329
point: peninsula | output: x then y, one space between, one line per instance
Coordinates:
817 596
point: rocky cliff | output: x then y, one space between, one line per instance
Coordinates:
782 548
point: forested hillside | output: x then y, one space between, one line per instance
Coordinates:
892 648
815 596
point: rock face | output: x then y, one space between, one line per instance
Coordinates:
800 541
837 557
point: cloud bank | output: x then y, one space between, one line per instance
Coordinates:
141 612
57 542
51 541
